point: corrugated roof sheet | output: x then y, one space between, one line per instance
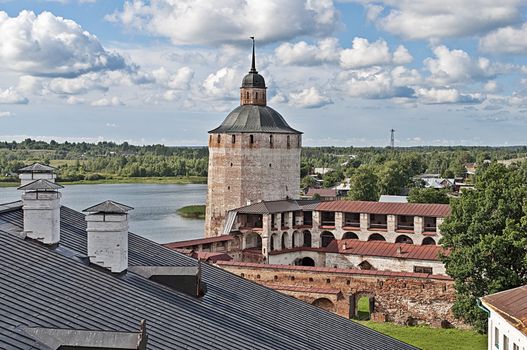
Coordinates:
512 305
386 249
109 207
411 209
41 185
36 168
42 287
269 207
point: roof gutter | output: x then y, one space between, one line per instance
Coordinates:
482 307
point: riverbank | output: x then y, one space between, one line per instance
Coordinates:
175 180
192 212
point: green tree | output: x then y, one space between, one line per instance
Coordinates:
364 185
487 237
428 195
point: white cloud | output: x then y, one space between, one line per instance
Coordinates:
440 96
364 54
11 96
74 100
79 85
105 102
456 66
375 83
224 83
229 21
309 98
303 54
426 19
177 81
491 86
401 55
507 40
6 114
47 45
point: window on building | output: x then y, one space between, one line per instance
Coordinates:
515 346
505 342
233 138
271 140
219 138
247 95
496 337
288 142
423 269
256 95
251 139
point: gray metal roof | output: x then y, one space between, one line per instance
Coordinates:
56 288
253 80
270 207
254 119
37 168
109 207
41 185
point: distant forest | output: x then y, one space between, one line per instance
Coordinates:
108 160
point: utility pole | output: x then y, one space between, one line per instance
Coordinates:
392 139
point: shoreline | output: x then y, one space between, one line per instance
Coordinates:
172 180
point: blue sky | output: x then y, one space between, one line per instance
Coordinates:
344 72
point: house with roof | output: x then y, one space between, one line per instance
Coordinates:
75 280
507 319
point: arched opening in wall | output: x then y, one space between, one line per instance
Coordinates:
256 95
306 261
307 239
247 95
429 241
404 239
376 237
324 304
253 241
326 238
364 305
350 235
297 239
285 240
274 242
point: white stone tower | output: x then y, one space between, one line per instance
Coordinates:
254 155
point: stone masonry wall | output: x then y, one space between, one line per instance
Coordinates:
241 172
404 298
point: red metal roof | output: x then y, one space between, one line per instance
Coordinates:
410 209
192 242
512 305
378 273
386 249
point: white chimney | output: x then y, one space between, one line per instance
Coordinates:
41 206
34 172
108 235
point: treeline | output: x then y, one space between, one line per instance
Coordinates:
384 170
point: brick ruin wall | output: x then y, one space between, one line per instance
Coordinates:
241 172
403 300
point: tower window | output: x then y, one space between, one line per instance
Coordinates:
288 142
299 141
219 138
233 138
247 95
251 139
271 140
256 95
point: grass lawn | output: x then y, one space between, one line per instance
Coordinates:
192 211
428 338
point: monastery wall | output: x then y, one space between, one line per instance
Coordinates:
404 298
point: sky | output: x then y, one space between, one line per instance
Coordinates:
443 72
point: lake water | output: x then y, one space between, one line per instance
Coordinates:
154 216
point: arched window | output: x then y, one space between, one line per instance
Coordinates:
256 96
404 239
326 238
233 138
247 95
429 241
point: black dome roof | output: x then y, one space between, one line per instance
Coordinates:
254 118
253 80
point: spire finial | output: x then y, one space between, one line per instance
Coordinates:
253 66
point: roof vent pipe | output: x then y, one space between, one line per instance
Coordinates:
107 228
41 206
